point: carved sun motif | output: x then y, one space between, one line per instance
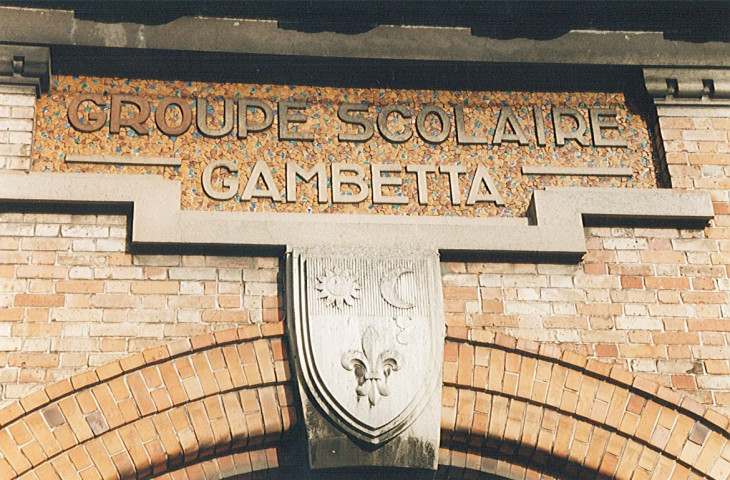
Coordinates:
337 287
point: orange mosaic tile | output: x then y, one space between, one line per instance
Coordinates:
58 138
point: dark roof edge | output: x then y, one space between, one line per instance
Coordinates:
46 27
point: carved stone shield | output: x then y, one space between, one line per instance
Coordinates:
369 332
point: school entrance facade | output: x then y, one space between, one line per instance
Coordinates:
350 241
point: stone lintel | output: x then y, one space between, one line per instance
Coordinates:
25 66
555 226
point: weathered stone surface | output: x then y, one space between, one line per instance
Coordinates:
368 328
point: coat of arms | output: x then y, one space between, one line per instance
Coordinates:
368 329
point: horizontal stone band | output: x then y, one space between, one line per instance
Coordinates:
555 226
124 160
576 171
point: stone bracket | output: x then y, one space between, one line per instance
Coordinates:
554 227
23 65
688 87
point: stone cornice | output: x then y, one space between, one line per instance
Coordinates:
23 65
401 42
688 87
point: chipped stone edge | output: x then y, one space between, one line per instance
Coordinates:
555 226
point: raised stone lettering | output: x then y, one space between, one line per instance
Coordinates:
461 136
385 130
293 171
185 112
358 180
95 119
344 113
482 178
201 107
508 118
244 125
230 183
562 135
378 181
262 172
539 126
286 117
421 180
136 120
604 119
454 171
422 128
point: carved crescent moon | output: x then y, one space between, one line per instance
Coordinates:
389 288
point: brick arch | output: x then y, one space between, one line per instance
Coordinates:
518 409
207 397
242 465
217 405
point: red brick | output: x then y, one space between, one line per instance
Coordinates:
79 286
460 293
31 300
606 350
632 282
684 382
271 329
33 359
594 268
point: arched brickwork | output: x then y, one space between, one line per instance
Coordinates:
217 406
156 411
239 465
518 409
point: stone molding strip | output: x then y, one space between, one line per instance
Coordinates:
124 160
578 171
555 225
714 111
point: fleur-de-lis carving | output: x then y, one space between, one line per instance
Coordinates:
371 371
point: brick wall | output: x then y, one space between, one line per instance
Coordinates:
73 298
17 113
647 299
652 300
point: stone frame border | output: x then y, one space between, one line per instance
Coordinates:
554 225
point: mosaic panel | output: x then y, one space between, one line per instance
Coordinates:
55 138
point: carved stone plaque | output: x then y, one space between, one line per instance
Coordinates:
368 331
